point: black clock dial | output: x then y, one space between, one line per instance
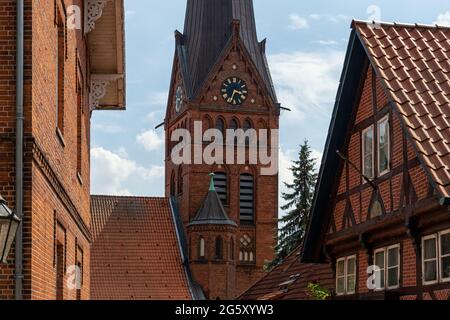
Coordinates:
234 91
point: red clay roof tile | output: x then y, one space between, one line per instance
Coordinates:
289 280
135 253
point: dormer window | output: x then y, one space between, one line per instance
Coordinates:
383 146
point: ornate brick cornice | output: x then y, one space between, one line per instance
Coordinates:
93 12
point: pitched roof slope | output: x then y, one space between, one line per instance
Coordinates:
135 253
212 211
413 62
207 30
289 280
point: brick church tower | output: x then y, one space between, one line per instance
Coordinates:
230 229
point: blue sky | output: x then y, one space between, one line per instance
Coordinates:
306 46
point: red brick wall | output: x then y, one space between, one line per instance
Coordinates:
261 114
51 182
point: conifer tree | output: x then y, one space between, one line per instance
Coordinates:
299 197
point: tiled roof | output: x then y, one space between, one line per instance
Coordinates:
135 253
414 64
289 280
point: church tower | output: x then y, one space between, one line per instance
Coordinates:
220 78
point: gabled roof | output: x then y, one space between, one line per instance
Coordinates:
207 31
136 253
212 211
289 280
412 62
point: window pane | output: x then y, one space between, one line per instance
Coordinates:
368 152
445 244
393 277
430 271
393 257
445 265
379 262
351 266
340 268
379 259
384 160
429 247
383 145
351 284
340 285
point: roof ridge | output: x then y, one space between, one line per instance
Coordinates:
401 24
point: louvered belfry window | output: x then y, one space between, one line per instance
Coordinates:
246 201
221 185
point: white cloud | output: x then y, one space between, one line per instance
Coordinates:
307 82
297 22
443 19
331 18
327 42
107 128
150 140
158 98
111 173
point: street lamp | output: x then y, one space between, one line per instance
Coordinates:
9 224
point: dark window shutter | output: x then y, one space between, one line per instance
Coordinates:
246 201
221 185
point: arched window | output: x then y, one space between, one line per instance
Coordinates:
220 125
234 124
201 248
246 198
247 126
231 249
172 184
180 180
219 248
221 185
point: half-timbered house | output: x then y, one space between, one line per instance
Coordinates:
381 210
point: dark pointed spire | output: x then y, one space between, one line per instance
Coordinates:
207 30
212 211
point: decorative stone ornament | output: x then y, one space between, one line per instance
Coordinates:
93 12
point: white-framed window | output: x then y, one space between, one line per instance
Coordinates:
367 152
384 150
388 261
436 258
346 275
444 253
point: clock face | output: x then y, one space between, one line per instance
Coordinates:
179 99
234 91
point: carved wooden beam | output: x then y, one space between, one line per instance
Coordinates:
98 88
